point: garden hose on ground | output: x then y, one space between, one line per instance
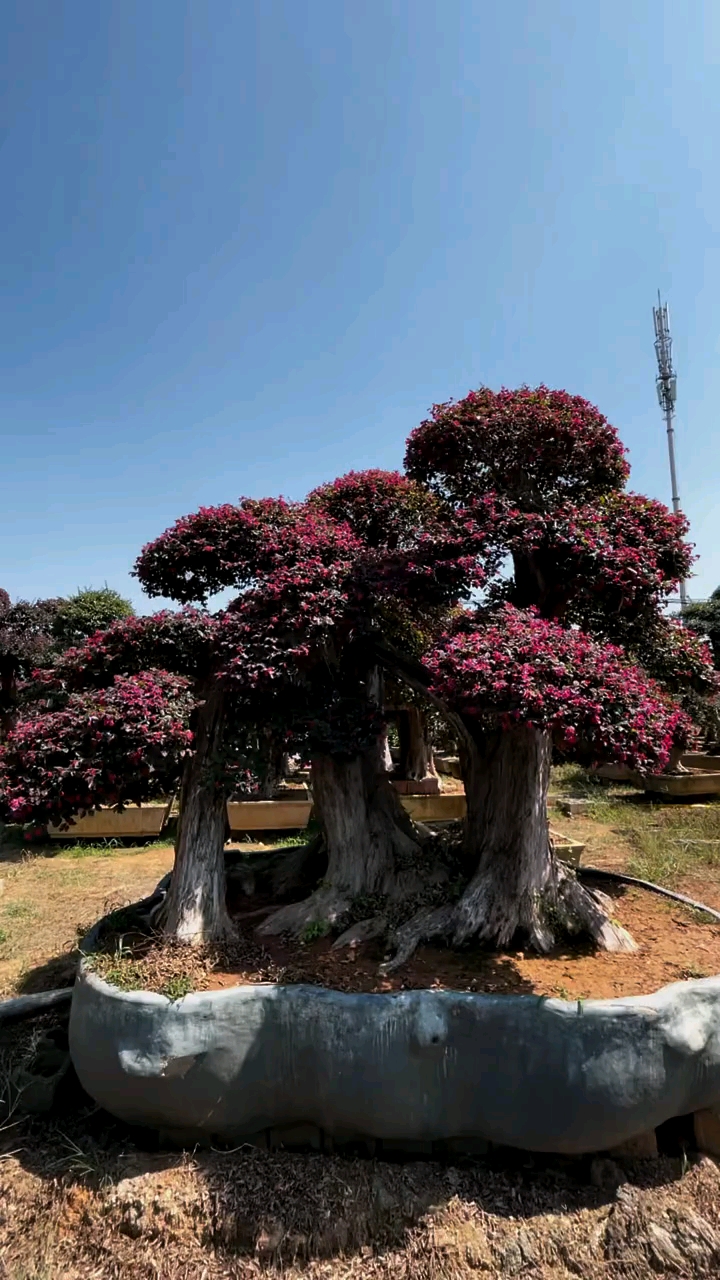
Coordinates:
620 878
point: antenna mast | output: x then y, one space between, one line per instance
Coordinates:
666 383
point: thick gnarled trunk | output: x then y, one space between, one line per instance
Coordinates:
373 850
507 838
519 888
371 846
367 832
416 755
519 891
195 910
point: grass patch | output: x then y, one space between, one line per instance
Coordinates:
19 910
573 780
668 841
106 848
122 971
318 929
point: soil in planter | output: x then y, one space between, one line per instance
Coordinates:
675 944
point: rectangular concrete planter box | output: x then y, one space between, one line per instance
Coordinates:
280 815
417 787
449 765
268 815
105 824
698 760
617 773
684 784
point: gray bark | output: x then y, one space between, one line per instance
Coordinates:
518 890
371 844
195 909
518 886
416 755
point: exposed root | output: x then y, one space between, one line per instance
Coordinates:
432 922
324 907
482 915
584 911
362 931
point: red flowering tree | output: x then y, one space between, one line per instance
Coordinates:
119 745
549 656
371 555
26 638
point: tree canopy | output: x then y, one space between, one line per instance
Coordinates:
507 578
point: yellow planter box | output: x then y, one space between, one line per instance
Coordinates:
105 824
268 815
684 784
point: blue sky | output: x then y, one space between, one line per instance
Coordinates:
245 245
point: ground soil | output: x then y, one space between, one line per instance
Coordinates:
83 1197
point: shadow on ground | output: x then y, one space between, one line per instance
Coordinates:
118 1188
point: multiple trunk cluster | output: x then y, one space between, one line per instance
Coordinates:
382 874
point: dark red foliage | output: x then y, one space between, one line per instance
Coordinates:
620 556
181 642
120 745
517 668
26 631
535 447
25 639
384 509
215 548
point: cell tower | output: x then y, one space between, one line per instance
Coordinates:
666 383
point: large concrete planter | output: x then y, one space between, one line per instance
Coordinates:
417 1066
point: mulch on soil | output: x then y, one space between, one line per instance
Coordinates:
674 944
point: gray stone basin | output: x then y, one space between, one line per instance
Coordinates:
416 1066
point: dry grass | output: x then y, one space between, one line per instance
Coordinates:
77 1206
44 900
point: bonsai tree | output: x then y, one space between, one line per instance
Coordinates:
86 612
119 745
370 555
25 640
703 617
590 564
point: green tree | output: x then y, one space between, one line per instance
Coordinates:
88 611
704 618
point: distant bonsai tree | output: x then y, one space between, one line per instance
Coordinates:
114 746
703 617
26 640
88 611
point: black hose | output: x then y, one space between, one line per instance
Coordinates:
620 878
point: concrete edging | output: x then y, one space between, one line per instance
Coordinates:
415 1067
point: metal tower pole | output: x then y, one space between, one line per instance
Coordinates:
666 383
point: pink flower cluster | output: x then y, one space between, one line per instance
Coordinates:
517 668
118 745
